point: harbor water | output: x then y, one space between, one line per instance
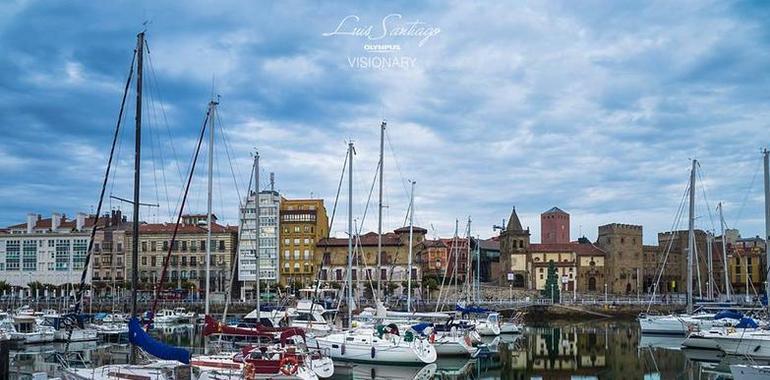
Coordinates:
608 349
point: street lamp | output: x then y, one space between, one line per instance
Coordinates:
605 293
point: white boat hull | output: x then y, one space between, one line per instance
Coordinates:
754 344
78 335
510 328
370 349
750 372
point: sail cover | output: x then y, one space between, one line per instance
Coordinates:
471 309
212 326
139 337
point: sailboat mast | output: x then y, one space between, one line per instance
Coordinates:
350 234
468 272
478 269
137 176
724 252
767 218
691 237
409 261
379 218
710 261
257 264
212 110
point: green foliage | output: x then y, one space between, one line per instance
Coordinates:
431 283
551 289
4 286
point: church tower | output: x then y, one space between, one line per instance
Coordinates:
514 247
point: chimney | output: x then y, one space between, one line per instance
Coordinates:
55 221
30 222
80 221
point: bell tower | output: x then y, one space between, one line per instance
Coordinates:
514 248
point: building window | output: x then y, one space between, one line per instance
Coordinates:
153 246
296 254
221 245
144 260
184 245
286 254
144 246
307 254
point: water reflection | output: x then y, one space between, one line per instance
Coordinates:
590 350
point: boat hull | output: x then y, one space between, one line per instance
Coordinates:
750 372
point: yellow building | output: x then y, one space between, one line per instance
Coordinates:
303 224
579 264
747 256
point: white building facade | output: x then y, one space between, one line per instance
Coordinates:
50 251
269 206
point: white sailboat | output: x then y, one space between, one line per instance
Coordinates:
682 324
373 344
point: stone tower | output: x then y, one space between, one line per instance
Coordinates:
624 263
554 226
514 246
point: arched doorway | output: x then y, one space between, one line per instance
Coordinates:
518 281
592 284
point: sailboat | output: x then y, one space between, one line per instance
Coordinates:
682 324
173 361
372 344
753 344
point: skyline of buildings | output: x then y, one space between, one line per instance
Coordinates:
51 250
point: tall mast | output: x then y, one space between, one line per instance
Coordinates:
137 176
409 261
379 219
478 269
724 252
350 234
691 237
710 262
212 110
767 219
468 272
257 263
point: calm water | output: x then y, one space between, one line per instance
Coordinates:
589 350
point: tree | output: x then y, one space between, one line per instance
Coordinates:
551 289
4 286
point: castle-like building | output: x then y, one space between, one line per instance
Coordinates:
613 263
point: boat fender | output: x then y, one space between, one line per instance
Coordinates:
432 338
468 340
373 352
289 365
342 349
249 372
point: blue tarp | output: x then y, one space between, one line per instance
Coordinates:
728 314
420 327
471 309
747 323
137 336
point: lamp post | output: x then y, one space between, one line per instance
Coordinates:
605 293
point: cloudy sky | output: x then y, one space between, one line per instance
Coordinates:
593 107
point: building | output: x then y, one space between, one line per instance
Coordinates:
624 260
673 260
580 265
111 256
489 253
514 247
332 259
652 261
554 226
303 223
50 251
433 258
186 272
457 258
747 256
269 224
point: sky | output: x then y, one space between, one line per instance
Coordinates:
594 107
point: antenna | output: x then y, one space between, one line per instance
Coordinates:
272 182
